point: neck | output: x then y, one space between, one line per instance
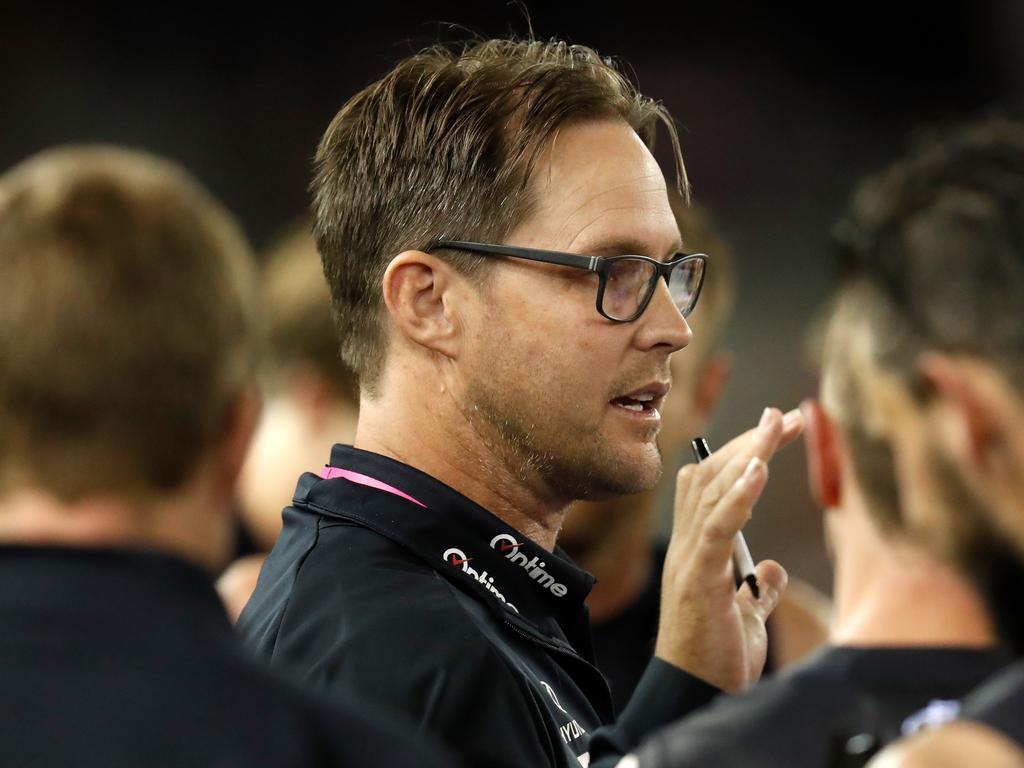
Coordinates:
184 525
893 594
620 556
440 442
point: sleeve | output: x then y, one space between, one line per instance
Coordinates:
664 694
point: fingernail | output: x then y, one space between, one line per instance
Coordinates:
752 469
764 417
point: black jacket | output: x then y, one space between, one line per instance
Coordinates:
999 704
119 659
435 607
833 711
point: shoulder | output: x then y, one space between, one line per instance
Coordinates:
361 576
338 729
812 687
362 604
767 725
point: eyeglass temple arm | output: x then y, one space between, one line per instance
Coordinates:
533 254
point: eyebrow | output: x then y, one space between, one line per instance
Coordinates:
629 247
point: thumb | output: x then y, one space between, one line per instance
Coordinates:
772 580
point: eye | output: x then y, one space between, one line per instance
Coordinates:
627 282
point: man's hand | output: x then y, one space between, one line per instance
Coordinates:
708 627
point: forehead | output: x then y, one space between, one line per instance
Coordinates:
596 184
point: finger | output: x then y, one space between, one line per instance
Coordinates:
699 487
761 445
729 515
771 579
693 479
765 430
763 441
712 493
792 426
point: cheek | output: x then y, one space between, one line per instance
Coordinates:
546 339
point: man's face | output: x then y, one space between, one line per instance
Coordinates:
543 376
590 524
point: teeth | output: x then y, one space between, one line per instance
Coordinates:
636 407
644 397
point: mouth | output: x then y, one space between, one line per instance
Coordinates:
643 403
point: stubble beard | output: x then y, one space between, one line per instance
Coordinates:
555 444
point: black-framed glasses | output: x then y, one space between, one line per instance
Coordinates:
625 283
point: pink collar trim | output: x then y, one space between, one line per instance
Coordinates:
328 473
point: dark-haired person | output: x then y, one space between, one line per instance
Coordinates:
910 635
955 247
925 321
509 284
128 342
922 323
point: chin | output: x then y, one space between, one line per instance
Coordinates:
634 472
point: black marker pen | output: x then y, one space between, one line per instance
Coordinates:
742 562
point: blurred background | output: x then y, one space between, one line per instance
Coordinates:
781 109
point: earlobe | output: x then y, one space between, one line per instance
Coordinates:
822 455
417 290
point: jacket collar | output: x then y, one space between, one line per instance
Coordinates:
456 536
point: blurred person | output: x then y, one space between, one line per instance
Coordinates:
951 231
128 341
508 286
932 282
908 629
615 541
311 401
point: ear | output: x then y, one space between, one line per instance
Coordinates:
419 293
712 380
968 416
820 438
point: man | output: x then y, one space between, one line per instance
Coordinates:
311 401
473 211
955 398
910 632
127 344
614 540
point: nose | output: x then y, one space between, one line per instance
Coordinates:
662 324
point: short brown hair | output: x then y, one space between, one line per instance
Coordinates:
850 339
443 147
127 323
932 258
939 235
300 328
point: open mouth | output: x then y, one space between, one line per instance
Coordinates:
643 402
637 403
